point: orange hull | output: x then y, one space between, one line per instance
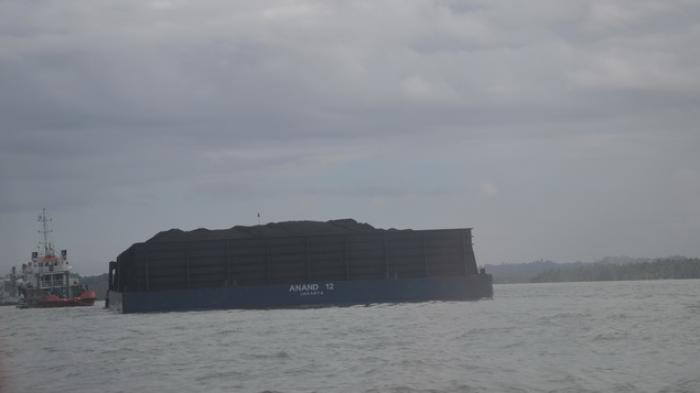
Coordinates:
86 298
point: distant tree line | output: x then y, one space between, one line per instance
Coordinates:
664 268
524 272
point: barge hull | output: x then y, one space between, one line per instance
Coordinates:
305 294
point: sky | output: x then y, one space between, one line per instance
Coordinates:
557 130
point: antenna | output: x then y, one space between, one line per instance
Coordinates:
45 230
258 218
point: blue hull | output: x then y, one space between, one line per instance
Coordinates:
320 293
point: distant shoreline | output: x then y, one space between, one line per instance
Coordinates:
607 270
582 282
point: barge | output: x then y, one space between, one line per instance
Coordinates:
295 264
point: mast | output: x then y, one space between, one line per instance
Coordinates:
45 231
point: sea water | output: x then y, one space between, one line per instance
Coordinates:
641 336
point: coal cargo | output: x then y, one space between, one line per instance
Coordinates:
294 264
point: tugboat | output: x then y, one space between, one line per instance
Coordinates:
46 281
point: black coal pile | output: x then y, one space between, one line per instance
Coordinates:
276 229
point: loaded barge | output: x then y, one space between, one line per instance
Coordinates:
295 264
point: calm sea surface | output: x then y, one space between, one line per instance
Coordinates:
581 337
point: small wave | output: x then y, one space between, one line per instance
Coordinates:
219 375
573 389
685 386
412 363
610 336
482 331
513 345
407 389
565 317
276 355
619 316
227 332
572 315
625 388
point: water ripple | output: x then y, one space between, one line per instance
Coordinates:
582 338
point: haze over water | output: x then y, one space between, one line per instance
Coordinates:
582 337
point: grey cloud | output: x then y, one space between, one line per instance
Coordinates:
411 113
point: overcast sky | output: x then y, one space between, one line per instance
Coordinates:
564 130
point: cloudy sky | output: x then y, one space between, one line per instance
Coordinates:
565 130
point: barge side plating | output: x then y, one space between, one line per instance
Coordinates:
218 271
